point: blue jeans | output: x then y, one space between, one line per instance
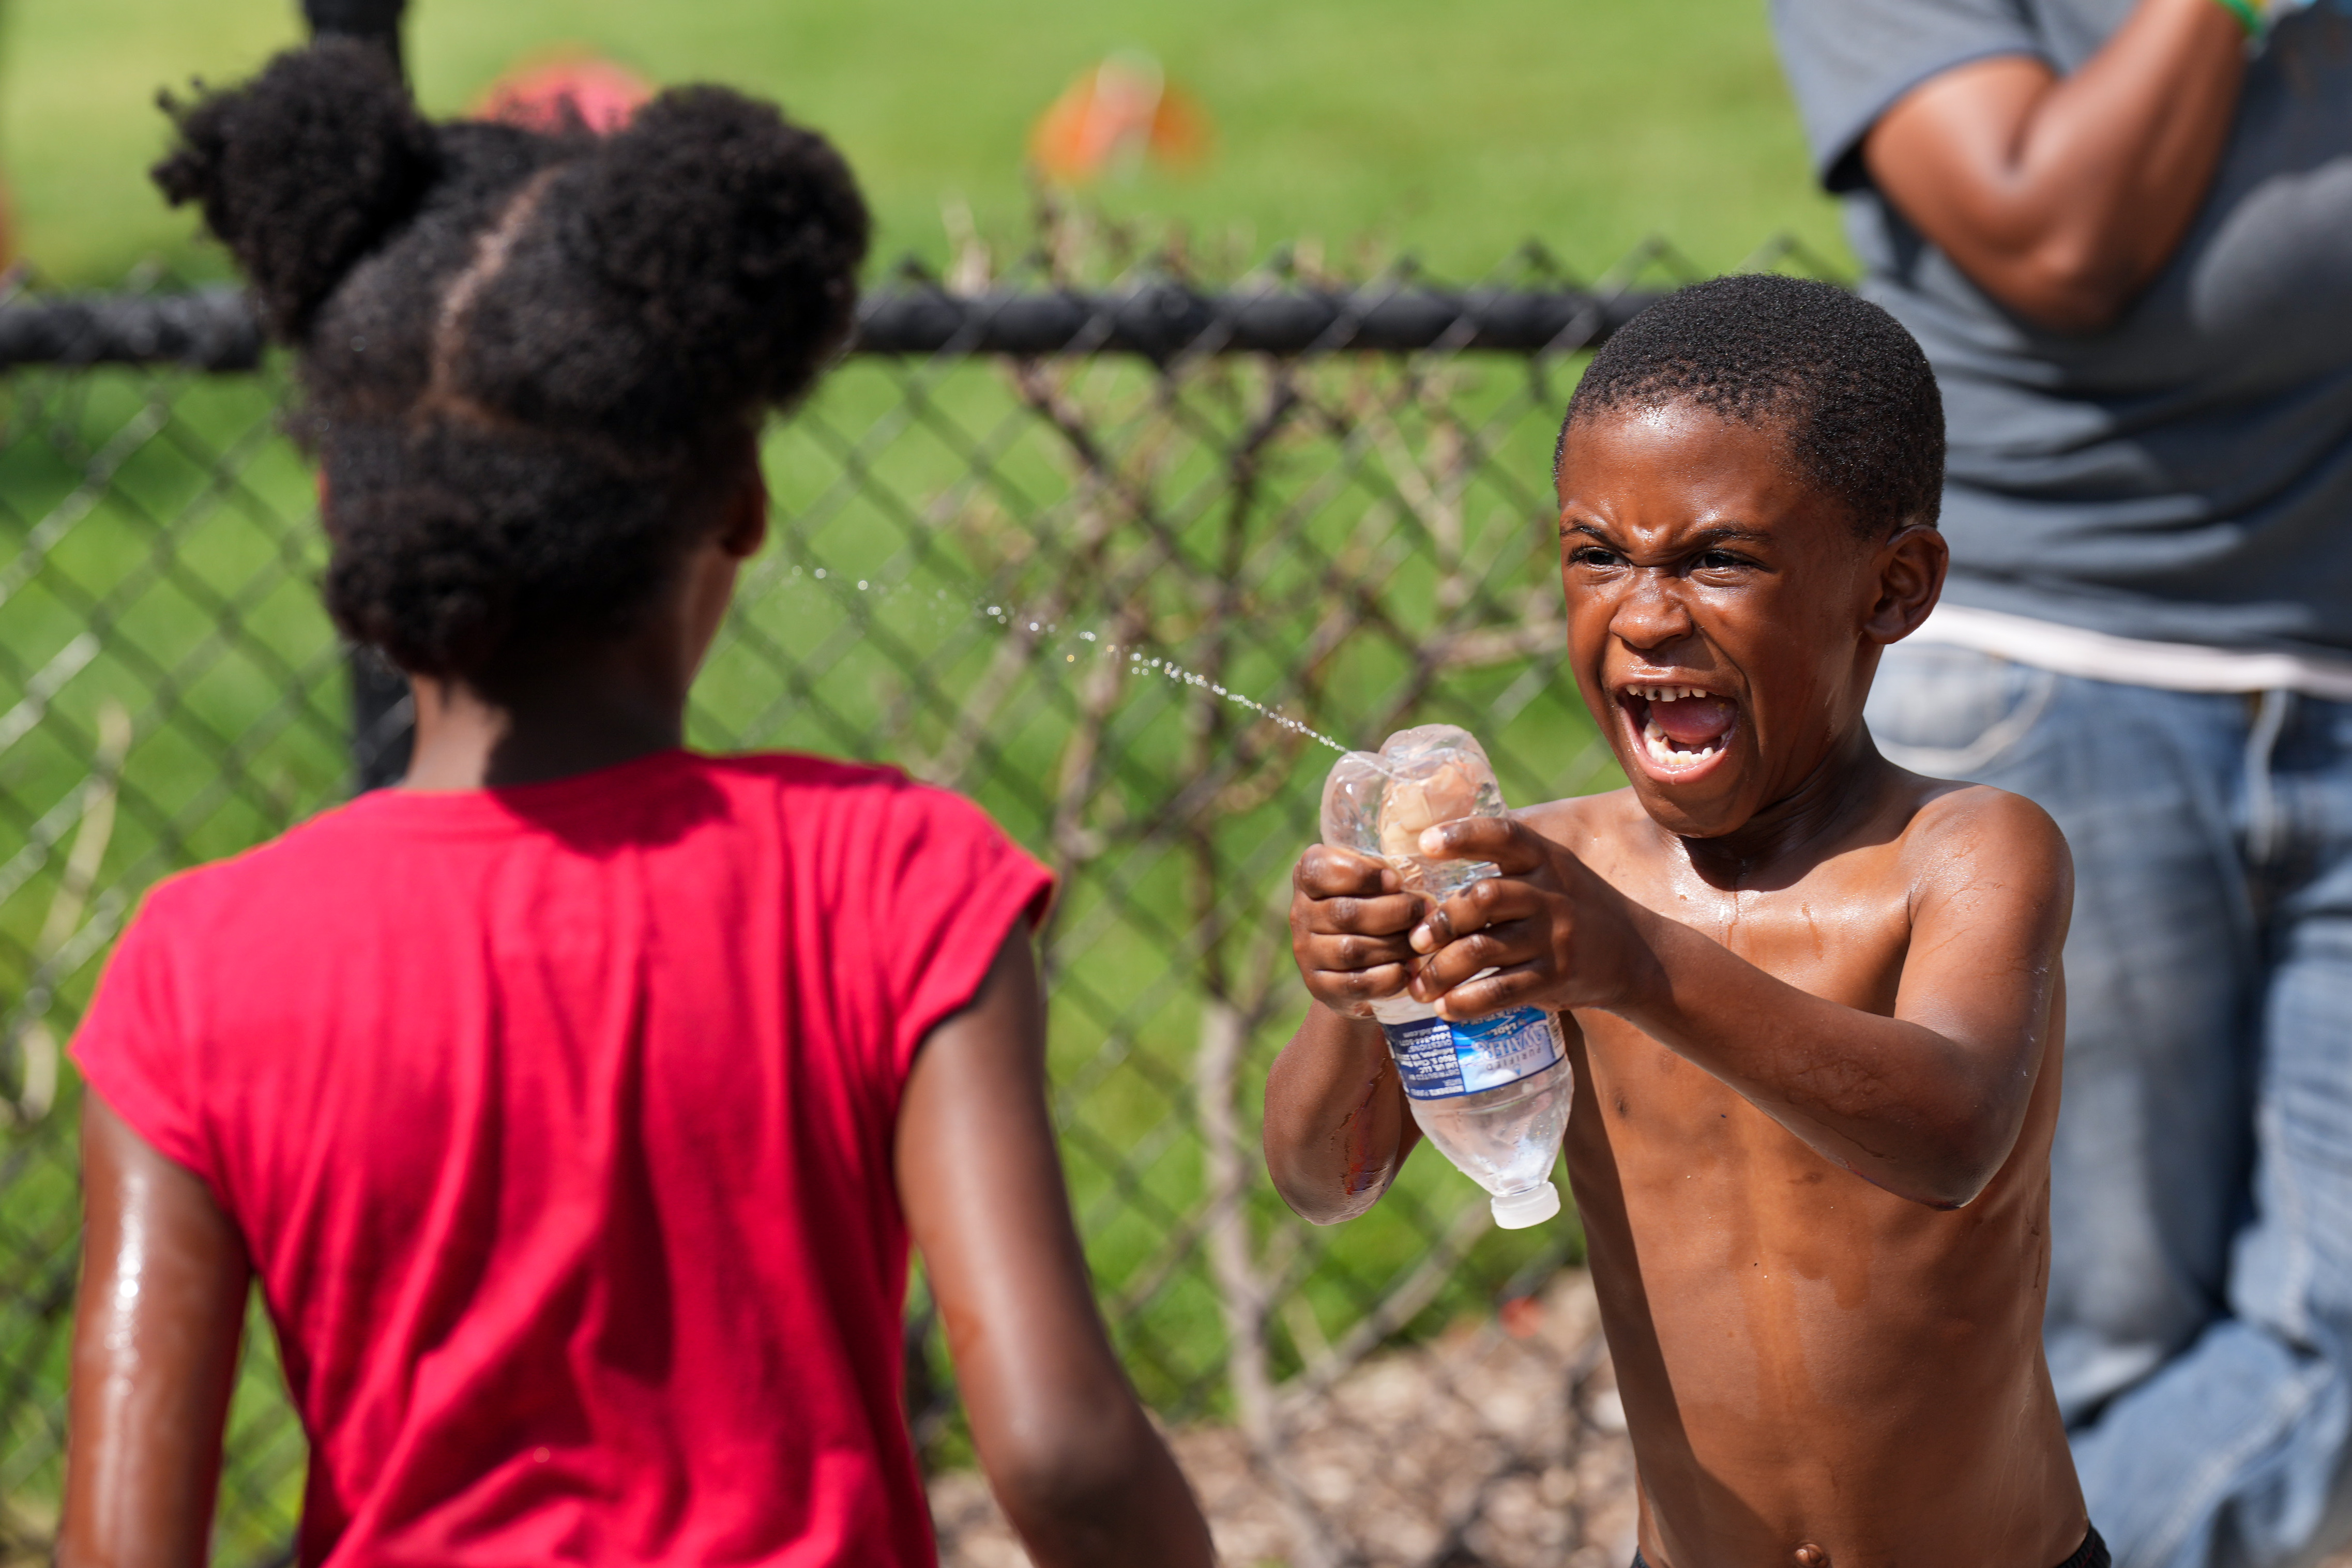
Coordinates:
2199 1327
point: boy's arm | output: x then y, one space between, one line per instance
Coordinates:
1337 1130
1927 1102
1079 1468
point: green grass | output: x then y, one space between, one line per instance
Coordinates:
1452 131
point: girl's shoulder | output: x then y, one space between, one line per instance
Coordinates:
868 822
804 784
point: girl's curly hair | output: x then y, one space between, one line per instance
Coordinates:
530 362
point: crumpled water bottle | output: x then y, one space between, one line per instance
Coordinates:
1491 1093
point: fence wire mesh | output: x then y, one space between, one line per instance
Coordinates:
1046 582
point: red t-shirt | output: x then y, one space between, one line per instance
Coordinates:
558 1120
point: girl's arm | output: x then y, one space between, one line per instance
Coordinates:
1079 1468
2064 196
156 1334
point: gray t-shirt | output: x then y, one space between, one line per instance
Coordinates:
2186 476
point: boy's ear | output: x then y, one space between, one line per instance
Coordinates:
1911 567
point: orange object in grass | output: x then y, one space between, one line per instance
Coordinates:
1115 116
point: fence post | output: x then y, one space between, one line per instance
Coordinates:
382 714
378 20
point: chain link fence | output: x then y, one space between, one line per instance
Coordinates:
1036 542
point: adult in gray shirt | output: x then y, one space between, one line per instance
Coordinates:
2122 230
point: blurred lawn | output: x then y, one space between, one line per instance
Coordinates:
1452 131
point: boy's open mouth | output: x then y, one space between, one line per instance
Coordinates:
1678 727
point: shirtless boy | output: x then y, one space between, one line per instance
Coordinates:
1811 999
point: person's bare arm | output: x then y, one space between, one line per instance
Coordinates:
1336 1129
2064 196
156 1334
1078 1468
1926 1104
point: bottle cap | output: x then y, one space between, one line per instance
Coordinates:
1518 1210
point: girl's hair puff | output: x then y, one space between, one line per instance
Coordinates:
530 364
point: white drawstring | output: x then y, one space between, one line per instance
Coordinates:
2265 832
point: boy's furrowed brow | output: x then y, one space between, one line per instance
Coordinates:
1726 534
1703 538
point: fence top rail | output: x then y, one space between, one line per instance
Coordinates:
1167 320
212 328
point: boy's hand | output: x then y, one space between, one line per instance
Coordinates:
1349 919
1555 933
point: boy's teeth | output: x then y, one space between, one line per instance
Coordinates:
1662 749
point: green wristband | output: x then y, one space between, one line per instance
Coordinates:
2248 15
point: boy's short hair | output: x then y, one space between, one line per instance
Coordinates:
1865 422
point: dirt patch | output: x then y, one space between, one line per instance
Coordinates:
1496 1446
1499 1445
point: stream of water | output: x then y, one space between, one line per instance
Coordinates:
1140 659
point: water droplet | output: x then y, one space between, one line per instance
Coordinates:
861 585
819 573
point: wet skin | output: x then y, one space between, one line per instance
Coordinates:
1816 1032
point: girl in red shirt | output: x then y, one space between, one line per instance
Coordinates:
575 1103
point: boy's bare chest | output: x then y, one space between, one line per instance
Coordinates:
1732 1211
1841 933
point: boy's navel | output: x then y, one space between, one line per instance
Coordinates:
1809 1556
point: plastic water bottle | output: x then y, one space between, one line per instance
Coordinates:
1493 1092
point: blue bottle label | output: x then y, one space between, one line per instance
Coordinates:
1438 1060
